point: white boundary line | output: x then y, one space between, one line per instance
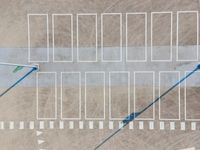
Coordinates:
102 47
89 125
189 148
162 125
179 97
53 36
94 72
134 99
110 99
141 125
177 35
37 96
193 126
185 99
96 36
29 40
151 125
182 124
171 36
61 114
138 13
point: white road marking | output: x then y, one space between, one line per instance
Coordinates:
141 125
182 125
100 124
131 125
71 125
61 125
31 125
191 148
51 124
172 126
11 125
193 126
2 125
151 125
91 126
110 124
21 125
40 142
41 125
162 125
38 133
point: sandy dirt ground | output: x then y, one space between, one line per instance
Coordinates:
20 104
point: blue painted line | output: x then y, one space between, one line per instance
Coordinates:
134 115
18 81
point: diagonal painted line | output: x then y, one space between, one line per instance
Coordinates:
134 115
35 68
